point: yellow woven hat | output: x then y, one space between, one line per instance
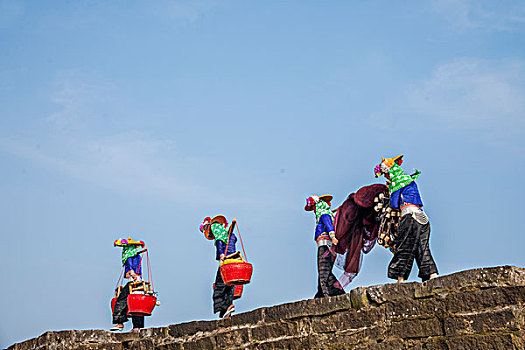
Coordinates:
129 241
391 161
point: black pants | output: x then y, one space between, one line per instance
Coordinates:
120 314
222 295
326 282
412 243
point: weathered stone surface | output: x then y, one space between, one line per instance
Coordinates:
92 339
280 329
394 344
107 346
200 343
479 323
169 346
365 335
494 341
251 317
417 328
435 343
348 320
358 298
475 309
485 299
310 307
161 332
414 308
302 342
235 336
378 295
189 328
502 276
143 344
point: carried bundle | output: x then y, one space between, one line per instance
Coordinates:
388 219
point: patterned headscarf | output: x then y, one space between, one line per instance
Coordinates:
128 251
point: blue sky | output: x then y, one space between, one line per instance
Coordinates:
142 118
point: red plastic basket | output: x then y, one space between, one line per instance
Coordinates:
238 291
236 273
113 301
140 304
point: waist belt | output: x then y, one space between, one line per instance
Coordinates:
409 209
417 213
323 242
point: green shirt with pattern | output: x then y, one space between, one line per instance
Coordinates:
322 208
398 178
219 232
128 251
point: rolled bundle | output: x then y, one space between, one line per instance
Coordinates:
388 221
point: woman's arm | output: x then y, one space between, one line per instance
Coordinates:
221 249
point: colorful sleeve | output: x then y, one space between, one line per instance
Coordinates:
416 174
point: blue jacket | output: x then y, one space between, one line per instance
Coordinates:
221 246
407 194
133 263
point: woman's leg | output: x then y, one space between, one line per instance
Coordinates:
222 295
406 245
327 280
138 321
424 259
121 306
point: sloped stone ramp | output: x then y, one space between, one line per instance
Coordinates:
474 309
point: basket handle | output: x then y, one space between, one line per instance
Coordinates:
242 245
232 226
230 231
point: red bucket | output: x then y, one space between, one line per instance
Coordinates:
238 291
140 304
236 273
113 301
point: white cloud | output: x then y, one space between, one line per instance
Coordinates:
88 138
77 99
477 14
474 94
127 161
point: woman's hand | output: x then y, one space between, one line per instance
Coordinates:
335 241
133 275
222 256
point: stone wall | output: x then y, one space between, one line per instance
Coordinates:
474 309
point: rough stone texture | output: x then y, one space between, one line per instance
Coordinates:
474 309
